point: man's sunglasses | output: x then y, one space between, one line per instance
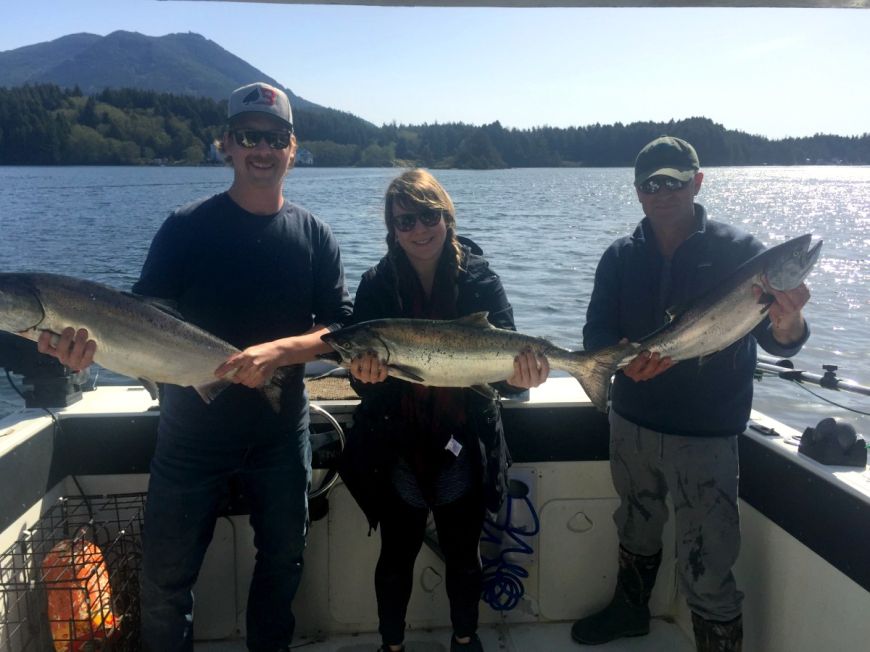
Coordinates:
250 138
655 184
407 221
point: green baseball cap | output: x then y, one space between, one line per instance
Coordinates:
667 156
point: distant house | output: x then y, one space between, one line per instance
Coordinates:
304 157
214 153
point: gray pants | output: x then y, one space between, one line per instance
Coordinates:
701 474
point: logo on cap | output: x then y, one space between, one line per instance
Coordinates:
261 95
260 98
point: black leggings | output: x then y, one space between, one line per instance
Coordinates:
402 529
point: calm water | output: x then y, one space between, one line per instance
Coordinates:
543 231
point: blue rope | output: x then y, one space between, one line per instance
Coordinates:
502 580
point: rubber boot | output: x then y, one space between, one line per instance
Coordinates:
716 636
628 613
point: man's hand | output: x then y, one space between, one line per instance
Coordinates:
254 366
786 319
73 347
530 370
646 365
367 368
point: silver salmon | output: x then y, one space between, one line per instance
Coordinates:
135 337
465 352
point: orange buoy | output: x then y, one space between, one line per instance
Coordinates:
76 582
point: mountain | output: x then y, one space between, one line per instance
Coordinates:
184 64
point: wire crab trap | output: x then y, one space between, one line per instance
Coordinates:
71 582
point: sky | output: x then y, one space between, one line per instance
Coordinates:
771 72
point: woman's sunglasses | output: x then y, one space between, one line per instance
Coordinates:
655 184
250 138
407 221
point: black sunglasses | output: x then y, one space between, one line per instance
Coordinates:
655 184
250 138
407 221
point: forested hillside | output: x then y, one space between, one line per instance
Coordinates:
46 125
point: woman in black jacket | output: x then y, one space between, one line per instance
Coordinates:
415 448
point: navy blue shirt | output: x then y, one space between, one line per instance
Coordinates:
635 286
248 279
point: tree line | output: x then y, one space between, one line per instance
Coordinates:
47 125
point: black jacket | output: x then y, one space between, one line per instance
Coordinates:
371 448
712 399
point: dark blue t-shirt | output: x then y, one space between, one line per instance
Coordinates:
248 279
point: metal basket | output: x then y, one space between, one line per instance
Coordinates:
71 582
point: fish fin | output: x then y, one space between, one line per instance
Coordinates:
672 313
704 359
476 320
209 391
594 369
150 385
165 305
486 391
405 373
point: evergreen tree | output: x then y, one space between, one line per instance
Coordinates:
45 125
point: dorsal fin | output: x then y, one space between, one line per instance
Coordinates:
164 305
476 320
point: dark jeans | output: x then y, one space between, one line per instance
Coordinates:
402 529
188 482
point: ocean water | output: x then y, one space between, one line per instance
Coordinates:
543 231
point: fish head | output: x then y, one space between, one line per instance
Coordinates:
20 307
789 263
352 341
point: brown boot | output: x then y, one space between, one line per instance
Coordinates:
716 636
628 613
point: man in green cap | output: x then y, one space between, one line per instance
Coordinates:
675 426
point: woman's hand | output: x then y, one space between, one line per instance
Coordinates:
73 347
530 370
367 368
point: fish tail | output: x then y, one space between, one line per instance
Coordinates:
593 370
210 391
272 393
274 388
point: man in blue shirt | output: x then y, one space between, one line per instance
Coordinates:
674 426
266 276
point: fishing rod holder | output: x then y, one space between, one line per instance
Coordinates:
46 382
784 368
829 379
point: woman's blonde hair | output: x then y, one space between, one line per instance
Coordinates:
418 189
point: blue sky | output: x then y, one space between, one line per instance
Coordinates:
771 72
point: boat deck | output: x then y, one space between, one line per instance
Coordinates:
804 524
553 637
